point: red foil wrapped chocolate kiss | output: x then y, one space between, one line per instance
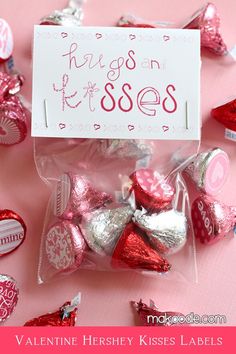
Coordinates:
152 316
12 231
151 190
207 21
226 114
13 128
8 296
212 220
64 317
132 251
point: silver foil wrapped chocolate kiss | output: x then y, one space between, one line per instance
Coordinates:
167 231
103 227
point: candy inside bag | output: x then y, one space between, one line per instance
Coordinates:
116 212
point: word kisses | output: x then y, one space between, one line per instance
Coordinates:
145 100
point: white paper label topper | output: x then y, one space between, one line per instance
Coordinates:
99 82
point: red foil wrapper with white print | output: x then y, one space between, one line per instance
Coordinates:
75 196
12 231
65 247
9 294
151 190
212 220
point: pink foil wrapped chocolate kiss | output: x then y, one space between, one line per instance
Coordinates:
13 128
212 220
151 190
64 246
74 196
207 21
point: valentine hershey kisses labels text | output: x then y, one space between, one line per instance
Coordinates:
108 82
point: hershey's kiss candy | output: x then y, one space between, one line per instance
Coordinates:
103 227
64 317
121 148
132 251
212 220
65 246
152 316
6 41
12 231
151 190
72 15
167 231
207 21
209 170
8 296
226 115
13 127
74 196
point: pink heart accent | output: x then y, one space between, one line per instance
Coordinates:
166 38
165 128
130 127
97 126
62 125
218 173
2 131
132 37
64 34
98 35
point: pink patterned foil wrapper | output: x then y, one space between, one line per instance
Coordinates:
9 294
13 127
207 21
74 196
212 220
65 246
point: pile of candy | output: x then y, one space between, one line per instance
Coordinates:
87 227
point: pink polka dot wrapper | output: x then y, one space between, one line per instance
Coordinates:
151 190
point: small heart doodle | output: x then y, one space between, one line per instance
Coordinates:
97 126
62 125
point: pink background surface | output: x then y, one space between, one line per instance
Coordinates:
106 296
